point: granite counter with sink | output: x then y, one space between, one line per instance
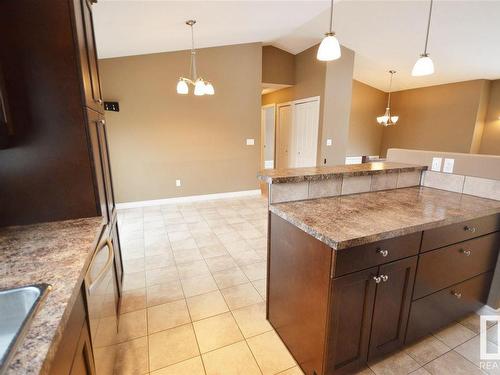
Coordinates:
56 253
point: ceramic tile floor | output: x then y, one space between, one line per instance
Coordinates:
194 300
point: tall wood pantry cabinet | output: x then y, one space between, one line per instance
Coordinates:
55 164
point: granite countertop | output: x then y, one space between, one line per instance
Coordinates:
351 220
56 253
276 176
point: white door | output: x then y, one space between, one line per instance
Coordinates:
305 134
284 135
268 133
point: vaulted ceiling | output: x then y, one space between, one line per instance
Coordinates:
464 39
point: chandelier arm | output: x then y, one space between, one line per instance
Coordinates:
428 28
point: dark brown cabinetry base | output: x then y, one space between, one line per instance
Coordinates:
335 310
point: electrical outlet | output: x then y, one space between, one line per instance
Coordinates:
250 141
436 164
448 165
329 142
177 183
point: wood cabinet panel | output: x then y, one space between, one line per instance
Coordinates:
351 311
115 240
450 234
83 362
439 309
106 165
84 26
376 253
461 261
298 290
392 306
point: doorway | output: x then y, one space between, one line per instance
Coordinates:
297 133
268 132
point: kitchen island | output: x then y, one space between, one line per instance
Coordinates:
343 283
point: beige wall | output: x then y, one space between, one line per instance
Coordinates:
365 134
332 82
159 136
278 66
490 143
441 118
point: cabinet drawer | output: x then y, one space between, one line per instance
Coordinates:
439 309
461 262
450 234
376 253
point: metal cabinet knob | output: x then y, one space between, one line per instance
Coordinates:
98 101
467 253
470 229
384 278
102 122
377 279
456 294
384 253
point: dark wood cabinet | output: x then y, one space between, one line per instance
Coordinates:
83 362
348 335
115 241
392 305
87 54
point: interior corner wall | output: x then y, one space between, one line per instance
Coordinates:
159 136
480 117
278 66
490 142
365 134
438 118
332 82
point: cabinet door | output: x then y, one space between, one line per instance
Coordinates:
108 181
83 362
87 54
392 305
93 123
351 309
115 240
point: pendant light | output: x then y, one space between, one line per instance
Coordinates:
201 87
329 49
387 119
424 65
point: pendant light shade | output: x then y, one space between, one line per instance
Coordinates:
387 119
201 87
182 87
209 89
424 65
329 49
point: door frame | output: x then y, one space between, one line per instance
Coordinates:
263 133
293 103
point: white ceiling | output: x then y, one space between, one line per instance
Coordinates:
464 40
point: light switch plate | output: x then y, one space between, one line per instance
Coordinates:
448 165
436 164
250 141
329 142
177 183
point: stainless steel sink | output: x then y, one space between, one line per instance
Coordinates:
17 307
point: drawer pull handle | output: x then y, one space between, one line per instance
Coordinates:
377 279
467 253
384 278
384 253
456 294
470 229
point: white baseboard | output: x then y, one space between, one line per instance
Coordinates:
190 198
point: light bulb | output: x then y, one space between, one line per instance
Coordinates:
382 119
182 87
199 87
209 89
423 67
394 119
329 49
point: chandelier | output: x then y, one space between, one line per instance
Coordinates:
388 119
201 87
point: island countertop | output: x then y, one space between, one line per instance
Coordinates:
277 176
351 220
55 253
